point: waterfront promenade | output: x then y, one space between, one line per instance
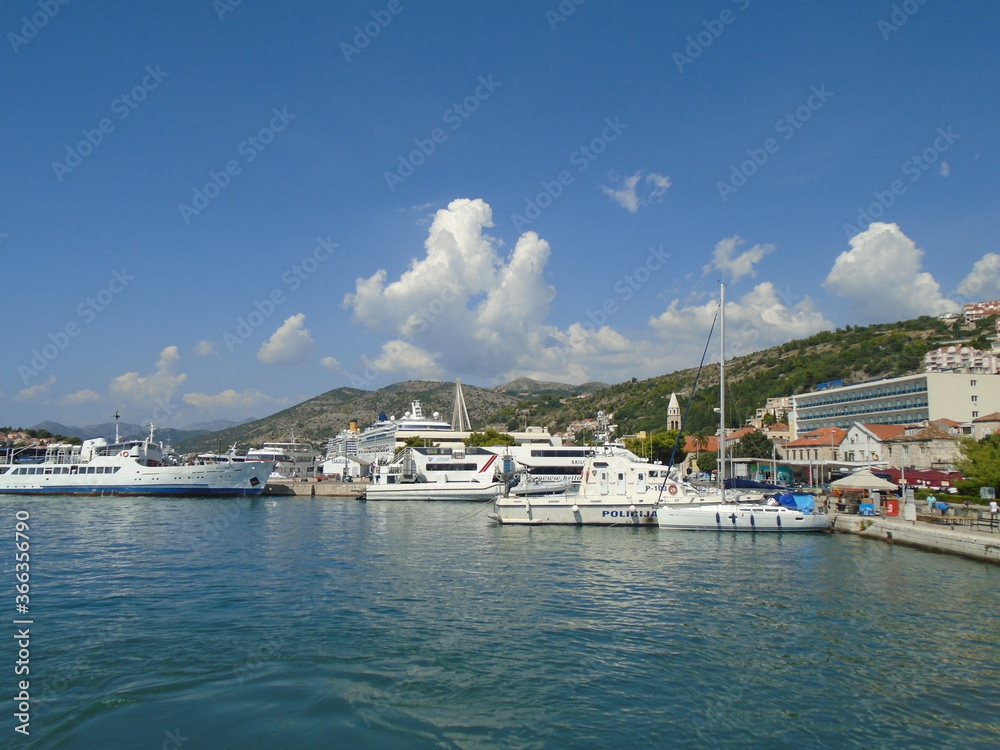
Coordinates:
946 534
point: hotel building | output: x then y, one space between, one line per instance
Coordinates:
926 396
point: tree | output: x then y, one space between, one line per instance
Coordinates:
708 461
754 445
981 465
489 437
415 442
659 446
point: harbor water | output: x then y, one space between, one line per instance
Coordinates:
332 623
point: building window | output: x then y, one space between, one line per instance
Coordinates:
975 399
975 414
973 383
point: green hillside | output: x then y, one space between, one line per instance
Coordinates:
852 354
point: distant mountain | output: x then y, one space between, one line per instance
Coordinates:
105 429
126 430
852 354
214 426
324 416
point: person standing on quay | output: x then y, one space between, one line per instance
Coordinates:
993 510
930 504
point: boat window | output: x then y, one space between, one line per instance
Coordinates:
600 464
450 467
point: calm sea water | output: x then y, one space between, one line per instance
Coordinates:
324 623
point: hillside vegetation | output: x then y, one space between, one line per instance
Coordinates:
852 354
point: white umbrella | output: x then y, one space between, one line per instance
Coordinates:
863 480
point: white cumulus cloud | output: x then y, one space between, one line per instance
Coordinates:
85 396
35 391
403 357
148 390
626 194
291 344
984 280
882 277
757 320
736 265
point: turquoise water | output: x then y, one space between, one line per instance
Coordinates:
325 623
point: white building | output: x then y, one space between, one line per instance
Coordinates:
961 359
924 397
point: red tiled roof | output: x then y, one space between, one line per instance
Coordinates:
885 431
819 437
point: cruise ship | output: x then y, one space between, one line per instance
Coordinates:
377 444
124 467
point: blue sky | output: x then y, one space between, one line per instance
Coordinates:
220 209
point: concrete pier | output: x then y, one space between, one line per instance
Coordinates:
312 488
954 539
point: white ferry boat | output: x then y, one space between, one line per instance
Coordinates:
615 490
435 473
124 467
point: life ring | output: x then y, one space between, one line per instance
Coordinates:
672 489
124 454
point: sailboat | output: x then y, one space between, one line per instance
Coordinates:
789 513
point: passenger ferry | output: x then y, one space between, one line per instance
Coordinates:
434 473
124 467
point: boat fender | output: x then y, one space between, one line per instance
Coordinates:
778 519
631 508
752 521
672 489
576 508
733 518
717 518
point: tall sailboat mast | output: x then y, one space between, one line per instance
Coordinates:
722 391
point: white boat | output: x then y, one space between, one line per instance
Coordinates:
615 490
377 444
736 514
124 467
740 516
292 459
434 473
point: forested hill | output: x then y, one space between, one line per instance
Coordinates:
852 354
